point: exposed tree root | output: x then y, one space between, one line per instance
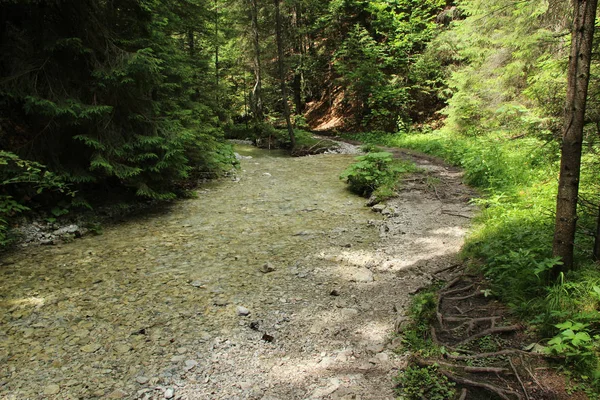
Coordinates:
470 296
512 366
463 394
490 331
472 370
454 291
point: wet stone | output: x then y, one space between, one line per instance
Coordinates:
51 390
91 348
242 311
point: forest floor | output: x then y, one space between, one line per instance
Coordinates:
223 298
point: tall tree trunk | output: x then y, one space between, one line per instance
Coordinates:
256 101
570 165
217 48
286 106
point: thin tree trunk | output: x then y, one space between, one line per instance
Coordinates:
256 101
286 106
570 166
217 48
596 254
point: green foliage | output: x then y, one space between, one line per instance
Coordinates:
417 383
21 181
374 171
416 337
111 95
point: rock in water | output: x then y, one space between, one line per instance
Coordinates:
51 390
266 268
242 311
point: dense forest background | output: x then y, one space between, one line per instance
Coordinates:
137 96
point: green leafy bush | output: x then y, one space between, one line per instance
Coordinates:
424 383
374 171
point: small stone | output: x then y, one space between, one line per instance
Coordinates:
176 359
378 208
197 284
182 350
142 380
379 358
349 312
375 348
362 275
334 292
190 364
266 268
51 390
91 348
169 393
266 174
122 348
117 394
242 311
221 302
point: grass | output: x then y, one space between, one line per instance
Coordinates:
512 236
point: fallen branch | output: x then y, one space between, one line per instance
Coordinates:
463 394
490 331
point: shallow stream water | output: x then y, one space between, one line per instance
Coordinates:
99 317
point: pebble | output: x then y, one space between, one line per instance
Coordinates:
91 348
51 390
182 350
190 364
142 380
122 348
117 394
266 268
169 393
362 275
242 311
349 312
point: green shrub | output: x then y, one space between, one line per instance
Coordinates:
424 383
374 171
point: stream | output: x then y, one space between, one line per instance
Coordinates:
276 284
85 319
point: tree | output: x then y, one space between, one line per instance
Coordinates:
281 67
570 166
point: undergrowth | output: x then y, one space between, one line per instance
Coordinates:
376 174
511 239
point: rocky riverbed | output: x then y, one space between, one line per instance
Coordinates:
277 284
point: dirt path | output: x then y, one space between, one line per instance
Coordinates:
170 306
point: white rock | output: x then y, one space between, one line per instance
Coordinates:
169 393
363 275
242 311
